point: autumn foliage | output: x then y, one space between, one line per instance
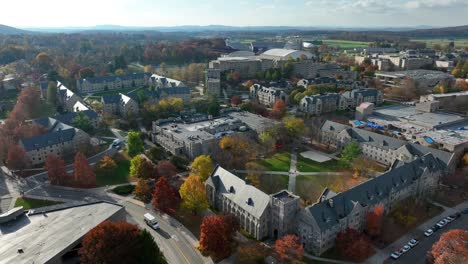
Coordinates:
17 158
451 248
279 109
374 220
166 169
165 199
193 194
56 170
143 191
119 242
202 166
289 248
83 173
216 235
353 245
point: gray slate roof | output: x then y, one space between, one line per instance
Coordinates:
371 192
236 190
48 139
382 141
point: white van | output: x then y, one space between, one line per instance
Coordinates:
151 221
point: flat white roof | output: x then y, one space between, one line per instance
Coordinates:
44 236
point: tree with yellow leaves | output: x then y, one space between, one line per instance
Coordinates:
193 194
202 166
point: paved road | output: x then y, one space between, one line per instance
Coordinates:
418 253
176 247
418 232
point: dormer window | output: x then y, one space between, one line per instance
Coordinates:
232 190
250 202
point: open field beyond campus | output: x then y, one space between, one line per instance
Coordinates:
444 42
29 203
345 44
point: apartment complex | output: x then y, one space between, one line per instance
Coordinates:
378 147
163 87
326 103
273 216
60 140
119 104
194 137
268 96
99 84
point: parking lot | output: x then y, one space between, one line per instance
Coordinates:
418 253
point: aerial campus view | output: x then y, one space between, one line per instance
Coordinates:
184 132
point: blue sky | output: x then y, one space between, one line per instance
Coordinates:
348 13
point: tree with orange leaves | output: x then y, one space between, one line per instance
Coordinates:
56 170
450 249
289 248
279 109
83 173
374 220
17 158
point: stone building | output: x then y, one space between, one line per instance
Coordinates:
60 139
326 103
268 96
119 104
273 216
99 84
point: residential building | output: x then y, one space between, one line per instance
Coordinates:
47 234
381 148
60 140
326 103
342 84
119 104
356 97
115 82
268 96
164 87
273 216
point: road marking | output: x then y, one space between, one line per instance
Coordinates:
182 253
175 238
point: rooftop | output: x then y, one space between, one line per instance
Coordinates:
416 74
66 226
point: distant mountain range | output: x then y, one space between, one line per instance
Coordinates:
413 32
11 30
193 28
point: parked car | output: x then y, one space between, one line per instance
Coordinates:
455 216
395 255
449 219
429 232
441 223
413 242
406 248
435 228
465 211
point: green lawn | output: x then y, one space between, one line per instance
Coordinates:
28 203
119 176
272 183
279 162
443 42
307 165
345 44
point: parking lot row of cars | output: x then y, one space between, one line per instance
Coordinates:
414 242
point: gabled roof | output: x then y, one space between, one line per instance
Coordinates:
332 208
48 139
249 198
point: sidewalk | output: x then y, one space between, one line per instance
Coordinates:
383 254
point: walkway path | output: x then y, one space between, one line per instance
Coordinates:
292 172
